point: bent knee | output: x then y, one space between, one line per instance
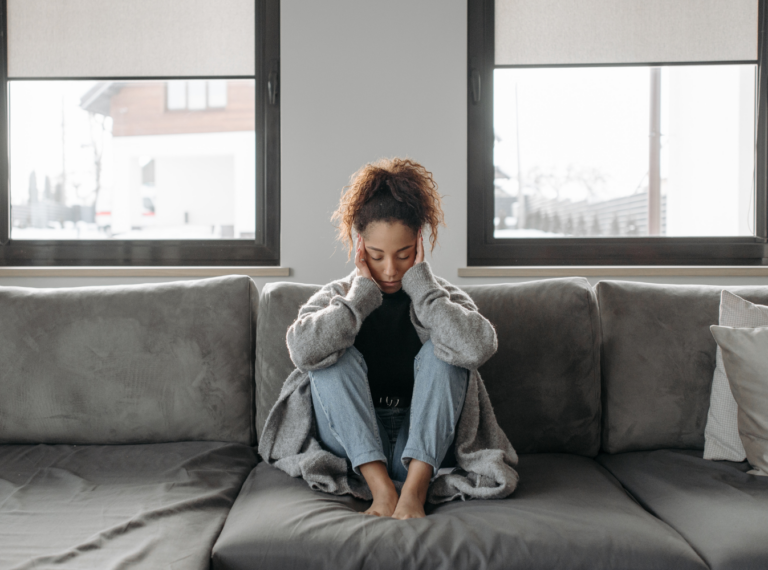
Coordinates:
427 355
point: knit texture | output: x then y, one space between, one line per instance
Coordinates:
327 325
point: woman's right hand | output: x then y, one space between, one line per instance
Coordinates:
360 263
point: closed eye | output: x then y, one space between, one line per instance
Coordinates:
380 258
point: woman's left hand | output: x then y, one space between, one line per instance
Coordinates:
419 248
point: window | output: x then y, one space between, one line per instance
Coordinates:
176 95
605 136
146 135
217 94
195 95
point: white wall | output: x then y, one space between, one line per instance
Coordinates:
362 79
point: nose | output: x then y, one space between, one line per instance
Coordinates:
390 271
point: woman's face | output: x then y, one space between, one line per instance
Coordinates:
390 251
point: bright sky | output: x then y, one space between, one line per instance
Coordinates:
586 117
590 118
36 112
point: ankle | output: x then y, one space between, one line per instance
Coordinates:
380 487
418 480
377 478
415 491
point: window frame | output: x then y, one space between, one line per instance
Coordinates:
262 250
485 250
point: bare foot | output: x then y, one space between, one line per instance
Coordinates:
382 489
410 506
414 493
384 503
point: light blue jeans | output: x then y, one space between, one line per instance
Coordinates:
349 426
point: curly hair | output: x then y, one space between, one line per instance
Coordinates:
389 190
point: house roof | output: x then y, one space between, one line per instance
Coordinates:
97 98
499 174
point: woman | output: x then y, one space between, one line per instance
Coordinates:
386 380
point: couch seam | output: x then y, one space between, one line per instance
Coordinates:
258 365
252 362
592 295
603 390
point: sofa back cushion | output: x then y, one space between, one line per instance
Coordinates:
279 306
544 380
658 358
128 364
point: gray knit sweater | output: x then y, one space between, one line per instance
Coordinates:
328 324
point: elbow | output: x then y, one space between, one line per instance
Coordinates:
475 350
476 360
298 350
303 360
309 354
486 347
308 363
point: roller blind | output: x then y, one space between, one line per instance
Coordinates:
130 38
542 32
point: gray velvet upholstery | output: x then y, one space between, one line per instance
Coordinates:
715 505
568 512
279 305
128 364
544 380
658 358
116 506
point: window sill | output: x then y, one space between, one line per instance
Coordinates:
616 271
143 271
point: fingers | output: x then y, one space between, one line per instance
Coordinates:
420 247
362 266
357 253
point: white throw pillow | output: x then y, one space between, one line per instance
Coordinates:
721 435
745 355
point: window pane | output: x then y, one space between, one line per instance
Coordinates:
177 95
196 93
583 165
101 160
217 93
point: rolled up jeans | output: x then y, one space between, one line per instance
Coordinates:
349 426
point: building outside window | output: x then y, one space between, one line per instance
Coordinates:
196 94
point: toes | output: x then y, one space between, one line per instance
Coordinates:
408 515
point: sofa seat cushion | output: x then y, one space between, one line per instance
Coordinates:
567 512
715 505
98 506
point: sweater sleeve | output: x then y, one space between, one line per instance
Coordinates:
461 335
329 322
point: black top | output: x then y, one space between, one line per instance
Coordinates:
389 343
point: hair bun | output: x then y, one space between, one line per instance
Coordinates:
412 199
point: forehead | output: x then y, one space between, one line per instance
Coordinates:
384 235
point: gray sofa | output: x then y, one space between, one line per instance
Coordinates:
128 417
126 422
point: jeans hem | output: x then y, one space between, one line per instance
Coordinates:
421 456
367 457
